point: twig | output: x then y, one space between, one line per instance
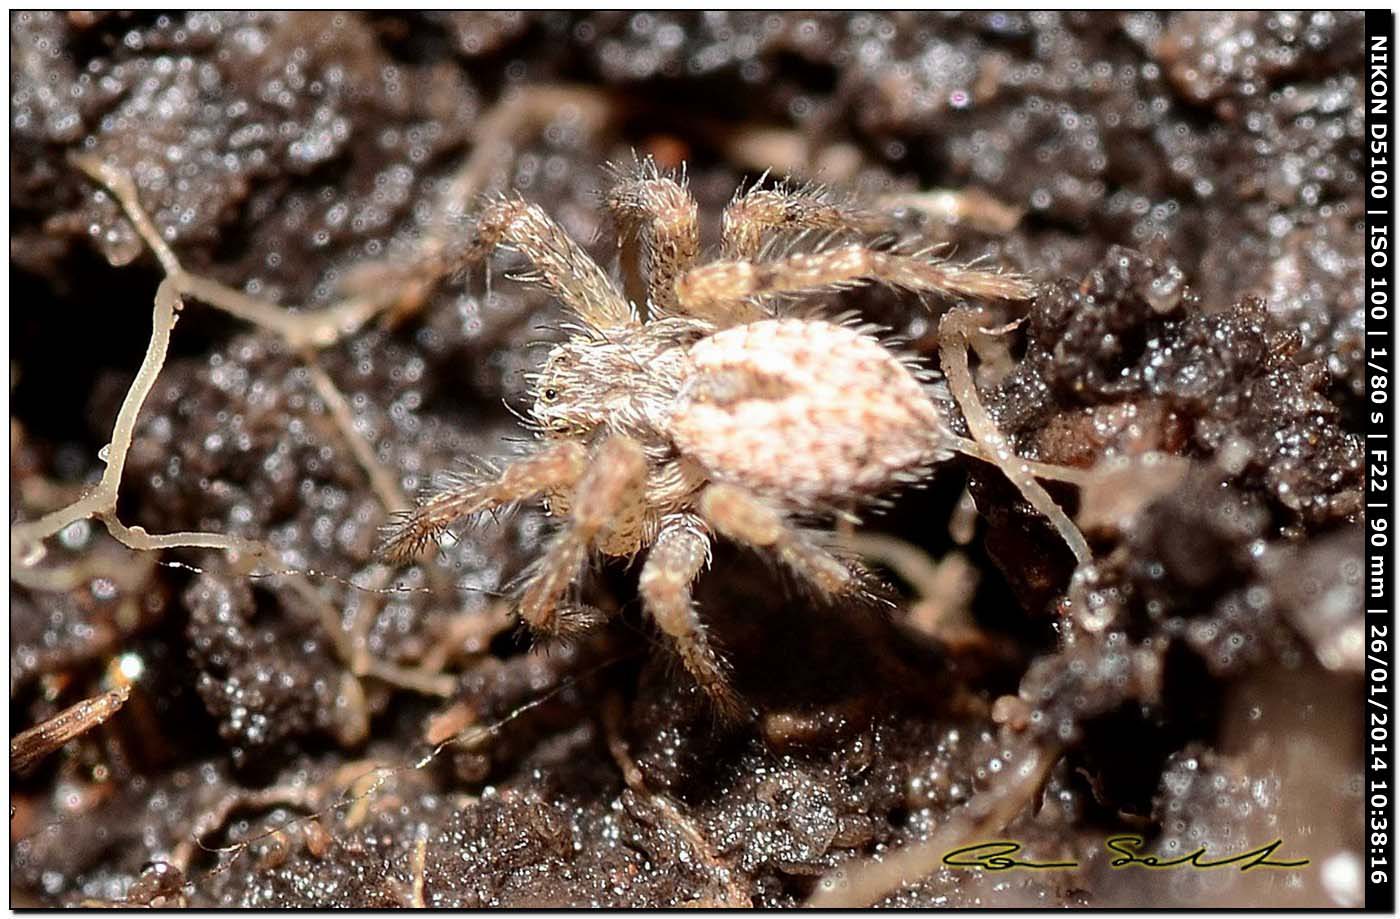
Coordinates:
129 572
26 539
29 747
989 443
944 588
420 868
304 333
314 329
212 820
384 483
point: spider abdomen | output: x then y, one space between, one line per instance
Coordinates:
805 410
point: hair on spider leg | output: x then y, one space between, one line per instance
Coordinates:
570 620
675 669
869 587
404 536
746 185
866 588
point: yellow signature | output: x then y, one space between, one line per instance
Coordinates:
1000 855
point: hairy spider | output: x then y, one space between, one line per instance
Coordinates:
716 414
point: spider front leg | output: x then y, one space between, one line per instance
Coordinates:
681 550
561 266
746 518
608 499
788 208
737 284
662 213
555 467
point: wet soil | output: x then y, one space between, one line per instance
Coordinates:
1185 187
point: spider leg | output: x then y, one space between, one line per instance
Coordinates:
681 551
561 266
746 518
609 497
721 286
662 213
554 467
788 208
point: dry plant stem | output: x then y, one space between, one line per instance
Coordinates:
317 329
985 817
426 678
356 657
385 485
760 147
129 573
517 115
212 820
468 634
26 539
907 560
1054 473
361 793
962 524
944 588
304 333
36 491
784 151
29 747
955 332
326 612
418 679
420 869
995 362
520 112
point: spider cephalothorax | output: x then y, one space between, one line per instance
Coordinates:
715 414
619 382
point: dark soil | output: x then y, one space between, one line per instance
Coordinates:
1191 205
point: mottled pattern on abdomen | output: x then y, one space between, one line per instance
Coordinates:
806 410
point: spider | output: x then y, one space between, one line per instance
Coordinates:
715 412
